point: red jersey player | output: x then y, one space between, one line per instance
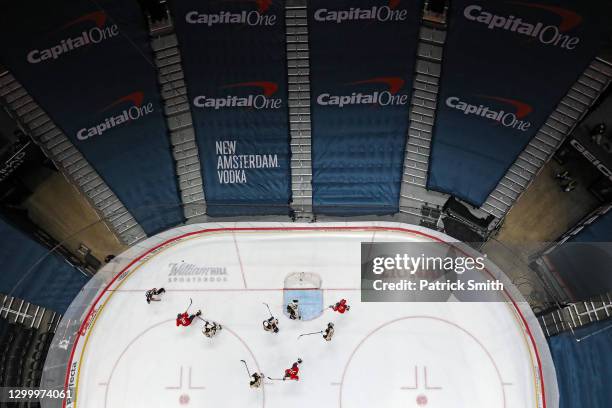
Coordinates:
341 306
184 319
292 373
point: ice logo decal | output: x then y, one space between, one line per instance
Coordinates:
262 100
375 13
515 120
134 108
545 34
184 272
97 34
390 96
251 18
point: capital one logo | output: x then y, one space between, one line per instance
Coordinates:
388 94
134 108
554 35
512 114
374 13
263 99
251 18
99 30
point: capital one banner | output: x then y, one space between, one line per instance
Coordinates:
88 65
362 56
506 66
234 58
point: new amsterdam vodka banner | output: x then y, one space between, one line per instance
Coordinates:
234 58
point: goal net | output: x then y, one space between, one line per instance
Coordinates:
303 280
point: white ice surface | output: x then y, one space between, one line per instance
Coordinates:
383 354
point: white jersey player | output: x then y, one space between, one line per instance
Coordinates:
210 329
152 294
293 310
271 325
329 332
256 380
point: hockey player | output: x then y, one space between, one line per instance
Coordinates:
341 306
152 293
271 325
293 310
257 380
184 319
292 373
210 329
329 332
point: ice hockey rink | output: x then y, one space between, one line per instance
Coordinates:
128 353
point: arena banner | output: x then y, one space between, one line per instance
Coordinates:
506 66
362 57
234 58
89 66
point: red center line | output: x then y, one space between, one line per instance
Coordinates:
239 259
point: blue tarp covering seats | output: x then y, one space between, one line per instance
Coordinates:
584 368
583 262
599 231
29 272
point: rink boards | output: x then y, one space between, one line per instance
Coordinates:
131 354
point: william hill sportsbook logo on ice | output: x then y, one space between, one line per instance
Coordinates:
375 13
263 99
134 108
388 94
548 34
253 18
98 31
510 113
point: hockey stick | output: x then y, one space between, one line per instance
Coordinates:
190 303
276 379
328 307
309 334
247 368
269 311
211 324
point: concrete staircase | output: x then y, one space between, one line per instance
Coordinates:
19 311
578 314
298 64
179 120
414 195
